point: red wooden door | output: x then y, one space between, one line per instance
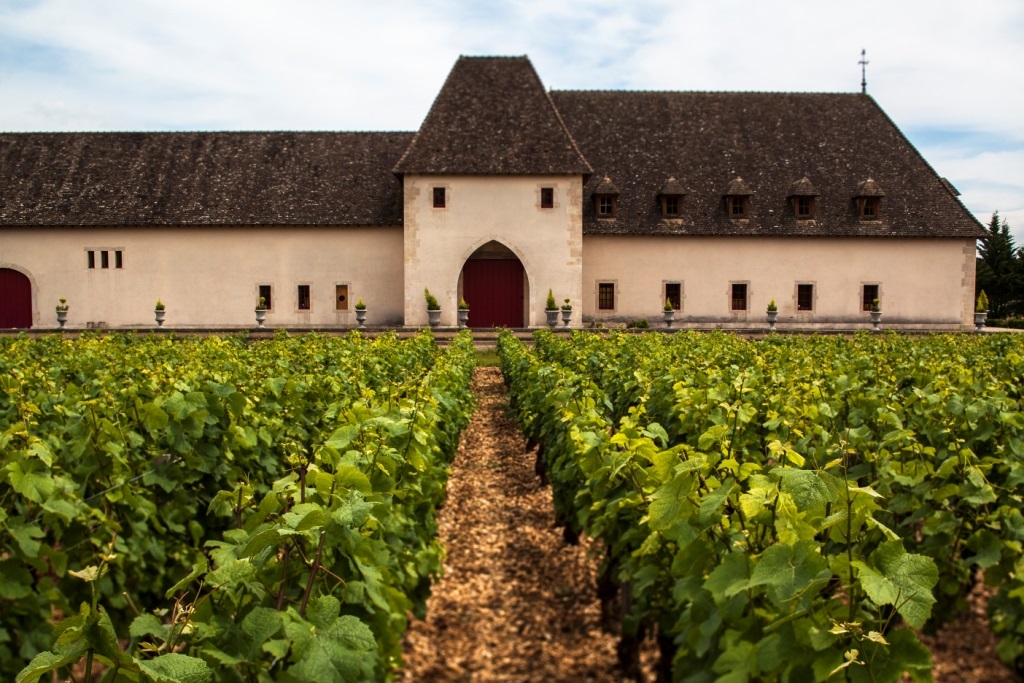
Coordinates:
493 288
15 299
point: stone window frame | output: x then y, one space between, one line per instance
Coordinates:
269 294
814 296
865 302
104 261
298 297
665 296
732 299
550 191
440 196
602 285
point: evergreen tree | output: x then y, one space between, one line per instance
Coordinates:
999 271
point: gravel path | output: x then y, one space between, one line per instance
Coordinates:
515 603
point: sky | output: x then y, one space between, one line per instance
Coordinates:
949 73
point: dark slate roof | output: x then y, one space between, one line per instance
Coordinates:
493 116
200 178
707 140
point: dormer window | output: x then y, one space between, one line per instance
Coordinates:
869 208
737 206
671 196
737 199
869 200
606 199
803 197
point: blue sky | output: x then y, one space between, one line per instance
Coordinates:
950 73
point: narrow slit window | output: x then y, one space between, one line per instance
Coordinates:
547 197
91 258
304 297
870 293
439 198
265 294
104 259
805 297
606 296
674 295
118 259
739 296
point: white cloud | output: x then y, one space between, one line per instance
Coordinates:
323 65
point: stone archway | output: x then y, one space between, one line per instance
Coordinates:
15 299
493 283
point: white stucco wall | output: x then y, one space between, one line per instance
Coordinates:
921 281
208 276
479 209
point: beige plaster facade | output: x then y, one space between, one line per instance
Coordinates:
483 209
917 279
209 276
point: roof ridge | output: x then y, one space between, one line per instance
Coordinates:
697 92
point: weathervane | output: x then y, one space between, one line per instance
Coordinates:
863 72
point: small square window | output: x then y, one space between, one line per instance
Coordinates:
104 259
92 258
265 295
605 205
118 259
547 197
737 207
739 296
805 297
674 294
868 296
670 205
606 296
304 300
439 198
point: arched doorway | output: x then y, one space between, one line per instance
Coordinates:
494 286
15 299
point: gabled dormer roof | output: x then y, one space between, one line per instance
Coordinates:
493 117
803 188
671 188
738 188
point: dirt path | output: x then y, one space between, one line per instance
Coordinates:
515 603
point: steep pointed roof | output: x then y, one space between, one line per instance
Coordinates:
493 117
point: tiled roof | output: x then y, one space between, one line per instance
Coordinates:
672 187
707 140
493 116
200 178
803 188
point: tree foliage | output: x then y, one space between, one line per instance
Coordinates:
1000 270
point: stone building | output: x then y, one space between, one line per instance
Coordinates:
616 200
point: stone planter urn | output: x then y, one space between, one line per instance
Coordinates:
434 317
463 318
159 316
361 317
552 314
566 317
670 317
261 316
62 317
876 319
772 316
979 320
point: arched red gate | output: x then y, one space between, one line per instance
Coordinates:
15 299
